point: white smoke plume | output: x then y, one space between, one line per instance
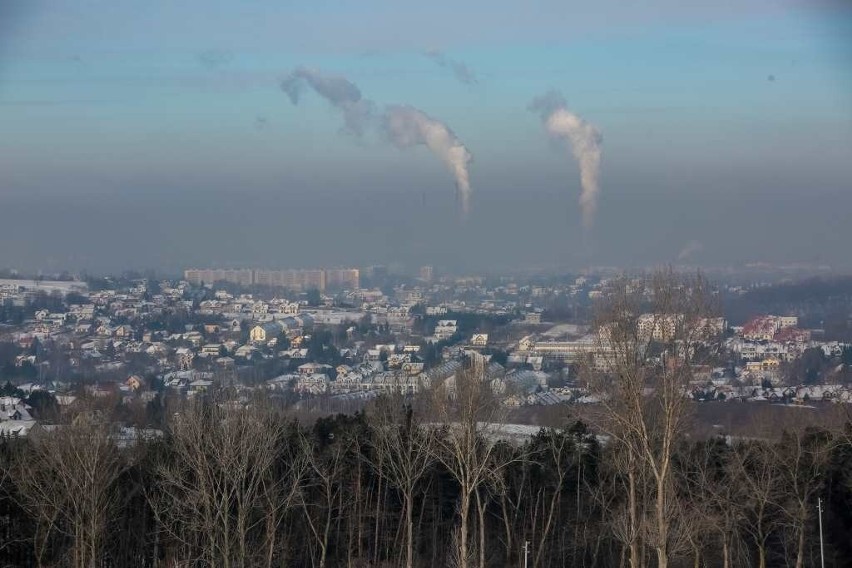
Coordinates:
585 141
689 250
404 126
358 112
407 126
460 70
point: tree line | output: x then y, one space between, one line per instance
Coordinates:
385 487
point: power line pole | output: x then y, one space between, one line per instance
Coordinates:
821 549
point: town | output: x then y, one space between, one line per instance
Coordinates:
336 338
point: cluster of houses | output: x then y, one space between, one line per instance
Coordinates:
765 343
801 394
120 336
15 417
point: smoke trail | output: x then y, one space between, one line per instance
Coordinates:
261 122
585 140
406 126
690 249
213 58
461 71
341 93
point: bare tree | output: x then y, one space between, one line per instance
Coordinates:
755 466
328 463
214 487
280 495
66 478
556 452
625 512
471 416
406 446
802 456
714 496
651 333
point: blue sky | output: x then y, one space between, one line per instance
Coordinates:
120 97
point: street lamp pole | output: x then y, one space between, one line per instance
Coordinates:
821 549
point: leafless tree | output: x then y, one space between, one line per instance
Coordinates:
406 447
321 495
214 491
802 456
754 464
714 497
280 494
471 416
651 333
66 478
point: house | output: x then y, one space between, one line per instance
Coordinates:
412 368
294 353
397 360
184 358
312 384
123 331
265 332
245 351
211 349
479 340
532 318
445 329
200 386
282 382
309 369
13 408
343 371
16 428
194 337
134 382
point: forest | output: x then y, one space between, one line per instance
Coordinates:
384 487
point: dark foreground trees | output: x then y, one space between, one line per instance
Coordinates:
389 487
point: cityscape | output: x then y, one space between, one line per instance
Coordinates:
399 285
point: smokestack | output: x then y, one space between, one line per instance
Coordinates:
585 141
338 91
407 126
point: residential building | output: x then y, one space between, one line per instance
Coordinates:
344 278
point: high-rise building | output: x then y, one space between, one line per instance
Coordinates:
312 279
349 278
293 279
426 273
243 276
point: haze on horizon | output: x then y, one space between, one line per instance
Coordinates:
157 135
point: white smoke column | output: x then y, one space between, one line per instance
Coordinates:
585 140
407 126
690 249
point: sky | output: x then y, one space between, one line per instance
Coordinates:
156 134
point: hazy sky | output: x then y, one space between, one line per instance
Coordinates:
154 134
